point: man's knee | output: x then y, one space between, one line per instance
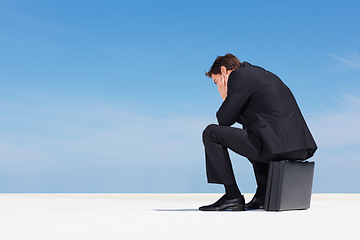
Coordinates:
209 131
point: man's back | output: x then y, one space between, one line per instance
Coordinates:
268 94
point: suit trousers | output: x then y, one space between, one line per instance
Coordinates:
217 140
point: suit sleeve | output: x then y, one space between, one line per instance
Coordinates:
237 96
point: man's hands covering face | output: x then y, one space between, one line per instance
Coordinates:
222 87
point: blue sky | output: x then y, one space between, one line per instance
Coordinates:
110 96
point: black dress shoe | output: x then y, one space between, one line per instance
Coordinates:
255 203
236 204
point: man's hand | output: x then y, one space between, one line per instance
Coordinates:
222 87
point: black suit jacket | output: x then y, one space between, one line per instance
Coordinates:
267 109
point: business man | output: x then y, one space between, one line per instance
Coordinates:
273 129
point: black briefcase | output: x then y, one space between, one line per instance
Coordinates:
289 185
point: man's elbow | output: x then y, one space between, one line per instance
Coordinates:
224 121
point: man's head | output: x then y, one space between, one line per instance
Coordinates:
229 62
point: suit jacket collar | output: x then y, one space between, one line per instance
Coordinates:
244 64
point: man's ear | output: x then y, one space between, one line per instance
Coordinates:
223 69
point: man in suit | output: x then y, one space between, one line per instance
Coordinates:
273 129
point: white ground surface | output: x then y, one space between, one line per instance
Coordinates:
170 216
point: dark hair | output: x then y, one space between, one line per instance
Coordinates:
229 61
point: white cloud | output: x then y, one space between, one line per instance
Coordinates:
339 125
76 132
75 147
350 61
